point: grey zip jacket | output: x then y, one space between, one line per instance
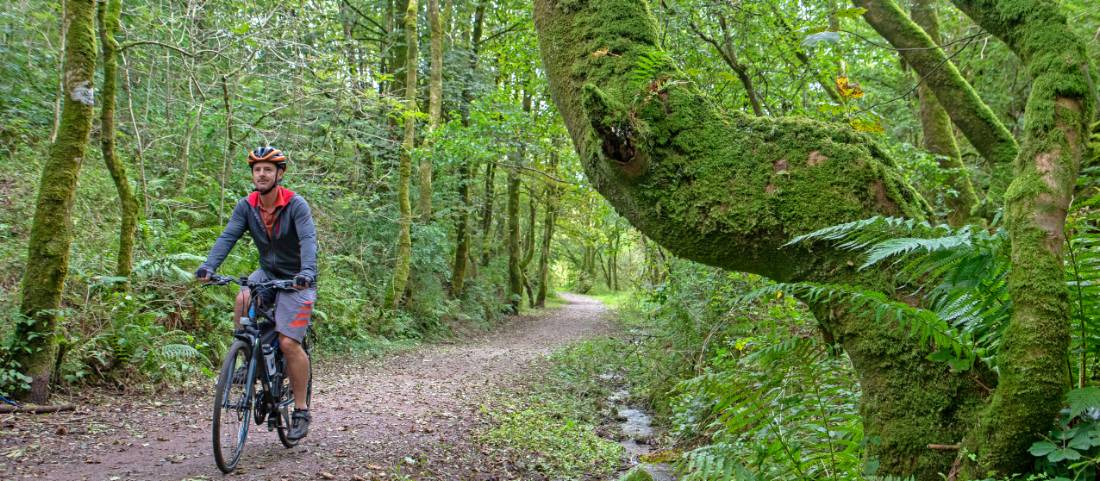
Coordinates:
290 250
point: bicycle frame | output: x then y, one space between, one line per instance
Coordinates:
252 333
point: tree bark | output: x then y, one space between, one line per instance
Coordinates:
1060 108
404 235
51 231
108 14
939 137
515 277
529 246
487 211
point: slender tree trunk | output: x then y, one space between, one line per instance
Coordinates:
487 212
435 110
52 230
973 117
229 146
60 75
465 171
404 239
515 277
529 247
108 14
939 137
185 168
547 233
139 144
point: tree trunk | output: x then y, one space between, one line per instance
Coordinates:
487 211
529 246
547 233
435 110
1060 108
939 137
404 235
229 147
515 277
51 231
465 171
108 24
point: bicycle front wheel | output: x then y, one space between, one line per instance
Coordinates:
233 406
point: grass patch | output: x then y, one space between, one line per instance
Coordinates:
548 427
613 300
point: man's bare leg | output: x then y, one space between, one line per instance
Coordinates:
240 306
297 366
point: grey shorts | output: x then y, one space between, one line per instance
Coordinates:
293 309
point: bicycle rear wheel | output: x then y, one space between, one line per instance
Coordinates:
233 406
286 401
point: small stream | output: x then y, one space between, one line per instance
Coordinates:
636 427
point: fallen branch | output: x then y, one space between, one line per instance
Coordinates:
36 409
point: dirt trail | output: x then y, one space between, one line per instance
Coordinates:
410 415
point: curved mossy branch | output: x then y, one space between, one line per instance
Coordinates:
973 117
108 15
725 189
1060 107
939 136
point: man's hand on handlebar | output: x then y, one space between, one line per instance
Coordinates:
302 281
203 275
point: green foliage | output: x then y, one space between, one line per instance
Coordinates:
1072 449
747 389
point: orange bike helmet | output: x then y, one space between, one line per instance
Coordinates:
267 154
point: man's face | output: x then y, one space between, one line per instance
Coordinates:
264 175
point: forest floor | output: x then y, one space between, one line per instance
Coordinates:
415 415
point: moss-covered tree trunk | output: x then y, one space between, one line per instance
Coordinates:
1060 108
108 14
51 231
529 245
730 190
939 137
487 211
404 235
435 109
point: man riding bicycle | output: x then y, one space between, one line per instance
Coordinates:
281 226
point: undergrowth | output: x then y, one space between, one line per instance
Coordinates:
549 431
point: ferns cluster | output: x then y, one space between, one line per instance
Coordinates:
786 412
960 273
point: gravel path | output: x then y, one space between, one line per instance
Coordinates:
410 416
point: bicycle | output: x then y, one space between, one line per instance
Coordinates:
248 389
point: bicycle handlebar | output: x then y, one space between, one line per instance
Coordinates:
220 280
